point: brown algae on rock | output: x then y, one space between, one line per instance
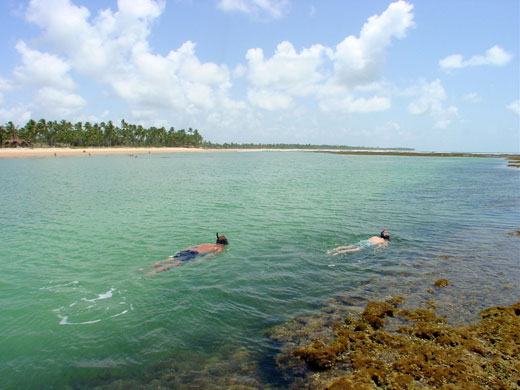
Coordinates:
431 304
441 283
395 301
427 354
514 162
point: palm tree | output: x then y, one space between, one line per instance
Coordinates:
3 135
110 133
78 134
12 130
100 134
29 131
41 130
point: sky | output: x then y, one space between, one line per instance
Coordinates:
430 75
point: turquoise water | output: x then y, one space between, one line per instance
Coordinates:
75 312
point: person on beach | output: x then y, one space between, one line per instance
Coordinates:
379 242
206 250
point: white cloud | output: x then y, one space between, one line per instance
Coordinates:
269 100
141 8
5 85
112 48
175 81
59 102
273 8
494 56
372 104
334 76
430 100
239 71
355 105
515 106
192 70
430 103
359 61
19 114
48 75
389 133
98 47
473 97
295 73
42 69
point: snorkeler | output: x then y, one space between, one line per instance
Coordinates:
381 241
207 250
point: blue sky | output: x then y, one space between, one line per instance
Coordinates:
432 75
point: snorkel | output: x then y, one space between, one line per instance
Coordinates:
222 240
385 235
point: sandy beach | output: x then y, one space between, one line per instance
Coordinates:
67 152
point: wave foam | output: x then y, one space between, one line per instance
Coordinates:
106 295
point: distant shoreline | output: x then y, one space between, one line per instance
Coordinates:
424 154
6 153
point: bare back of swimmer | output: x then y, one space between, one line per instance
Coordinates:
189 253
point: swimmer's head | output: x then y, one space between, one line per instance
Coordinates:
385 235
222 240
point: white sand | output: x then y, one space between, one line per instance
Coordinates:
65 152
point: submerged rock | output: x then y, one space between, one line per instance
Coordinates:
514 162
442 283
375 313
426 354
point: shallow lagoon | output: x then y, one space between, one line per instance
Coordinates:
75 311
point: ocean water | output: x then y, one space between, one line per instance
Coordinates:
76 312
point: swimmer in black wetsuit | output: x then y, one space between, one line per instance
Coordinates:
207 250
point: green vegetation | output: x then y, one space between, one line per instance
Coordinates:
107 134
294 146
64 133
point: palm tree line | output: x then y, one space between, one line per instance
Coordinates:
107 134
